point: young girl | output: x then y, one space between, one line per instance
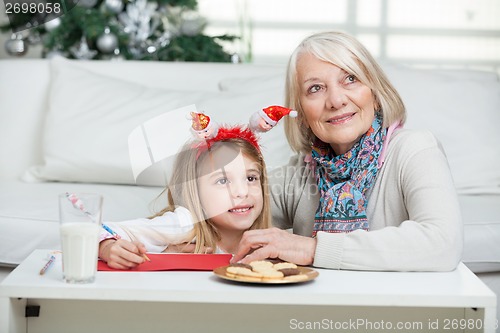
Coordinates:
217 191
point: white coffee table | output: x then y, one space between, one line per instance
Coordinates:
181 301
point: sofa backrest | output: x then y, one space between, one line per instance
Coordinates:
461 107
179 76
25 95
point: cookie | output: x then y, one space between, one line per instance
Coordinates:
289 271
282 265
271 274
243 273
238 264
262 268
261 264
266 270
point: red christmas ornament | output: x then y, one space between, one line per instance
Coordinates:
202 126
274 113
267 118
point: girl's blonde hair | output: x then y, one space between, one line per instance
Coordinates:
347 53
183 188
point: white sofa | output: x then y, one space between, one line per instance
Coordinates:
64 127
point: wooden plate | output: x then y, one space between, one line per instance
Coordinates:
309 274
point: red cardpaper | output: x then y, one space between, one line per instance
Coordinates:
175 261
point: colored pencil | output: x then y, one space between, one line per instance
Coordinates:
48 264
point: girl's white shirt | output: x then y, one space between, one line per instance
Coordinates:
156 233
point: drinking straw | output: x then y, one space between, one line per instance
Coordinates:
78 204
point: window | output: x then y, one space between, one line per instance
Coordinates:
444 33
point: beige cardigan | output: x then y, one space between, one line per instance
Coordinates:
413 211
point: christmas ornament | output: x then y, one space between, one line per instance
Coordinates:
117 55
34 37
52 24
138 19
151 49
235 58
107 42
192 24
164 39
82 50
171 20
266 119
202 127
115 6
16 45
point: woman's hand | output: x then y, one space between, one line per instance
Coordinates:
275 243
121 254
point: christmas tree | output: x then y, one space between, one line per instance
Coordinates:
164 30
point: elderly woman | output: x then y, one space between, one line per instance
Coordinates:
363 193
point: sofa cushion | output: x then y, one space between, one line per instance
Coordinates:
91 116
24 85
88 123
462 109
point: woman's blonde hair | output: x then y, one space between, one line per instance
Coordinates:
347 53
183 188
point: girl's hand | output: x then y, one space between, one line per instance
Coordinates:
121 254
275 243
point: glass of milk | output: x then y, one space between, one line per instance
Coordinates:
80 223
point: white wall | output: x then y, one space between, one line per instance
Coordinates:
444 33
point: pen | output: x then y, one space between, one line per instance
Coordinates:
111 231
146 257
48 264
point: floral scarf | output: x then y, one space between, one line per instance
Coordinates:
344 180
